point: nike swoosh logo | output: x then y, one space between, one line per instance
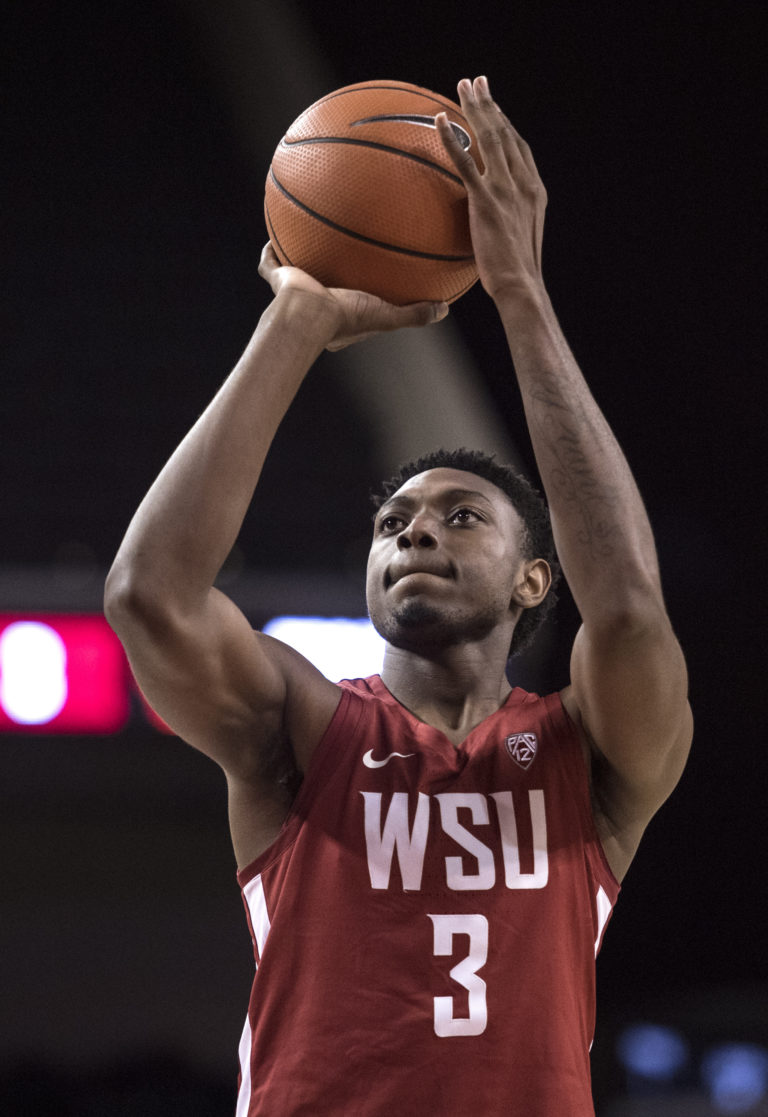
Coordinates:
369 762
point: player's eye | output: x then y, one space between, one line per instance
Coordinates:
391 523
464 516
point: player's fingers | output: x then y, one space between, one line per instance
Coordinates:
419 314
388 317
498 134
268 262
374 316
486 122
459 155
521 146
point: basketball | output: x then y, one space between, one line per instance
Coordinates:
362 194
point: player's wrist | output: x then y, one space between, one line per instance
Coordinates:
521 298
315 315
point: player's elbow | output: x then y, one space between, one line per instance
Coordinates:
626 608
130 602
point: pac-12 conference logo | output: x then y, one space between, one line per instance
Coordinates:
522 748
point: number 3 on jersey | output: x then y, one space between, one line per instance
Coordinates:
464 973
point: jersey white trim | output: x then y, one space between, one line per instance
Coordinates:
256 900
244 1055
604 907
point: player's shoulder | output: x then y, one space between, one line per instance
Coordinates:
568 701
557 706
370 688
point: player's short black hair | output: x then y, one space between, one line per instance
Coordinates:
526 500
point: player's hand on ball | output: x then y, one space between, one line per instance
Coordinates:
506 201
346 316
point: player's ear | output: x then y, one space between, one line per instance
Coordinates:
533 582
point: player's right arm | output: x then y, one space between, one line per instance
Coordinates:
245 700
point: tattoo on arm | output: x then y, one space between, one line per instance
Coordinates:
567 442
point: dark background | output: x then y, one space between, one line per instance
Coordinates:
133 189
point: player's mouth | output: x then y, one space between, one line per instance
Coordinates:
396 573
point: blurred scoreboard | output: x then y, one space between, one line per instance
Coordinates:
63 673
68 673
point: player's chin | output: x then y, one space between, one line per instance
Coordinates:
415 624
417 612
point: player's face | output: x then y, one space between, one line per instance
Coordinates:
444 561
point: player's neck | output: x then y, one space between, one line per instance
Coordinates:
452 694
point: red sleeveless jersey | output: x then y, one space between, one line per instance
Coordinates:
426 924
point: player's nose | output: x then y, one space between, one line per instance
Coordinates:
419 532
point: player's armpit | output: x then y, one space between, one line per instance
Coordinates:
629 693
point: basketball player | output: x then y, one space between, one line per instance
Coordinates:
427 905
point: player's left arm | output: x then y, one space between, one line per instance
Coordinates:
628 689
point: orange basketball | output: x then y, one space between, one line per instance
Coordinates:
361 193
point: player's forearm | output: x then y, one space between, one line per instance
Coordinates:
187 524
601 528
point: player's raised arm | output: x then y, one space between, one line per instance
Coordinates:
628 676
236 695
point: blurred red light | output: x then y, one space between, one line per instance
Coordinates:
90 696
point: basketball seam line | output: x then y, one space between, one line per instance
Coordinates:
378 147
359 236
415 91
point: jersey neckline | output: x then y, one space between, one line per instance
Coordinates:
380 690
